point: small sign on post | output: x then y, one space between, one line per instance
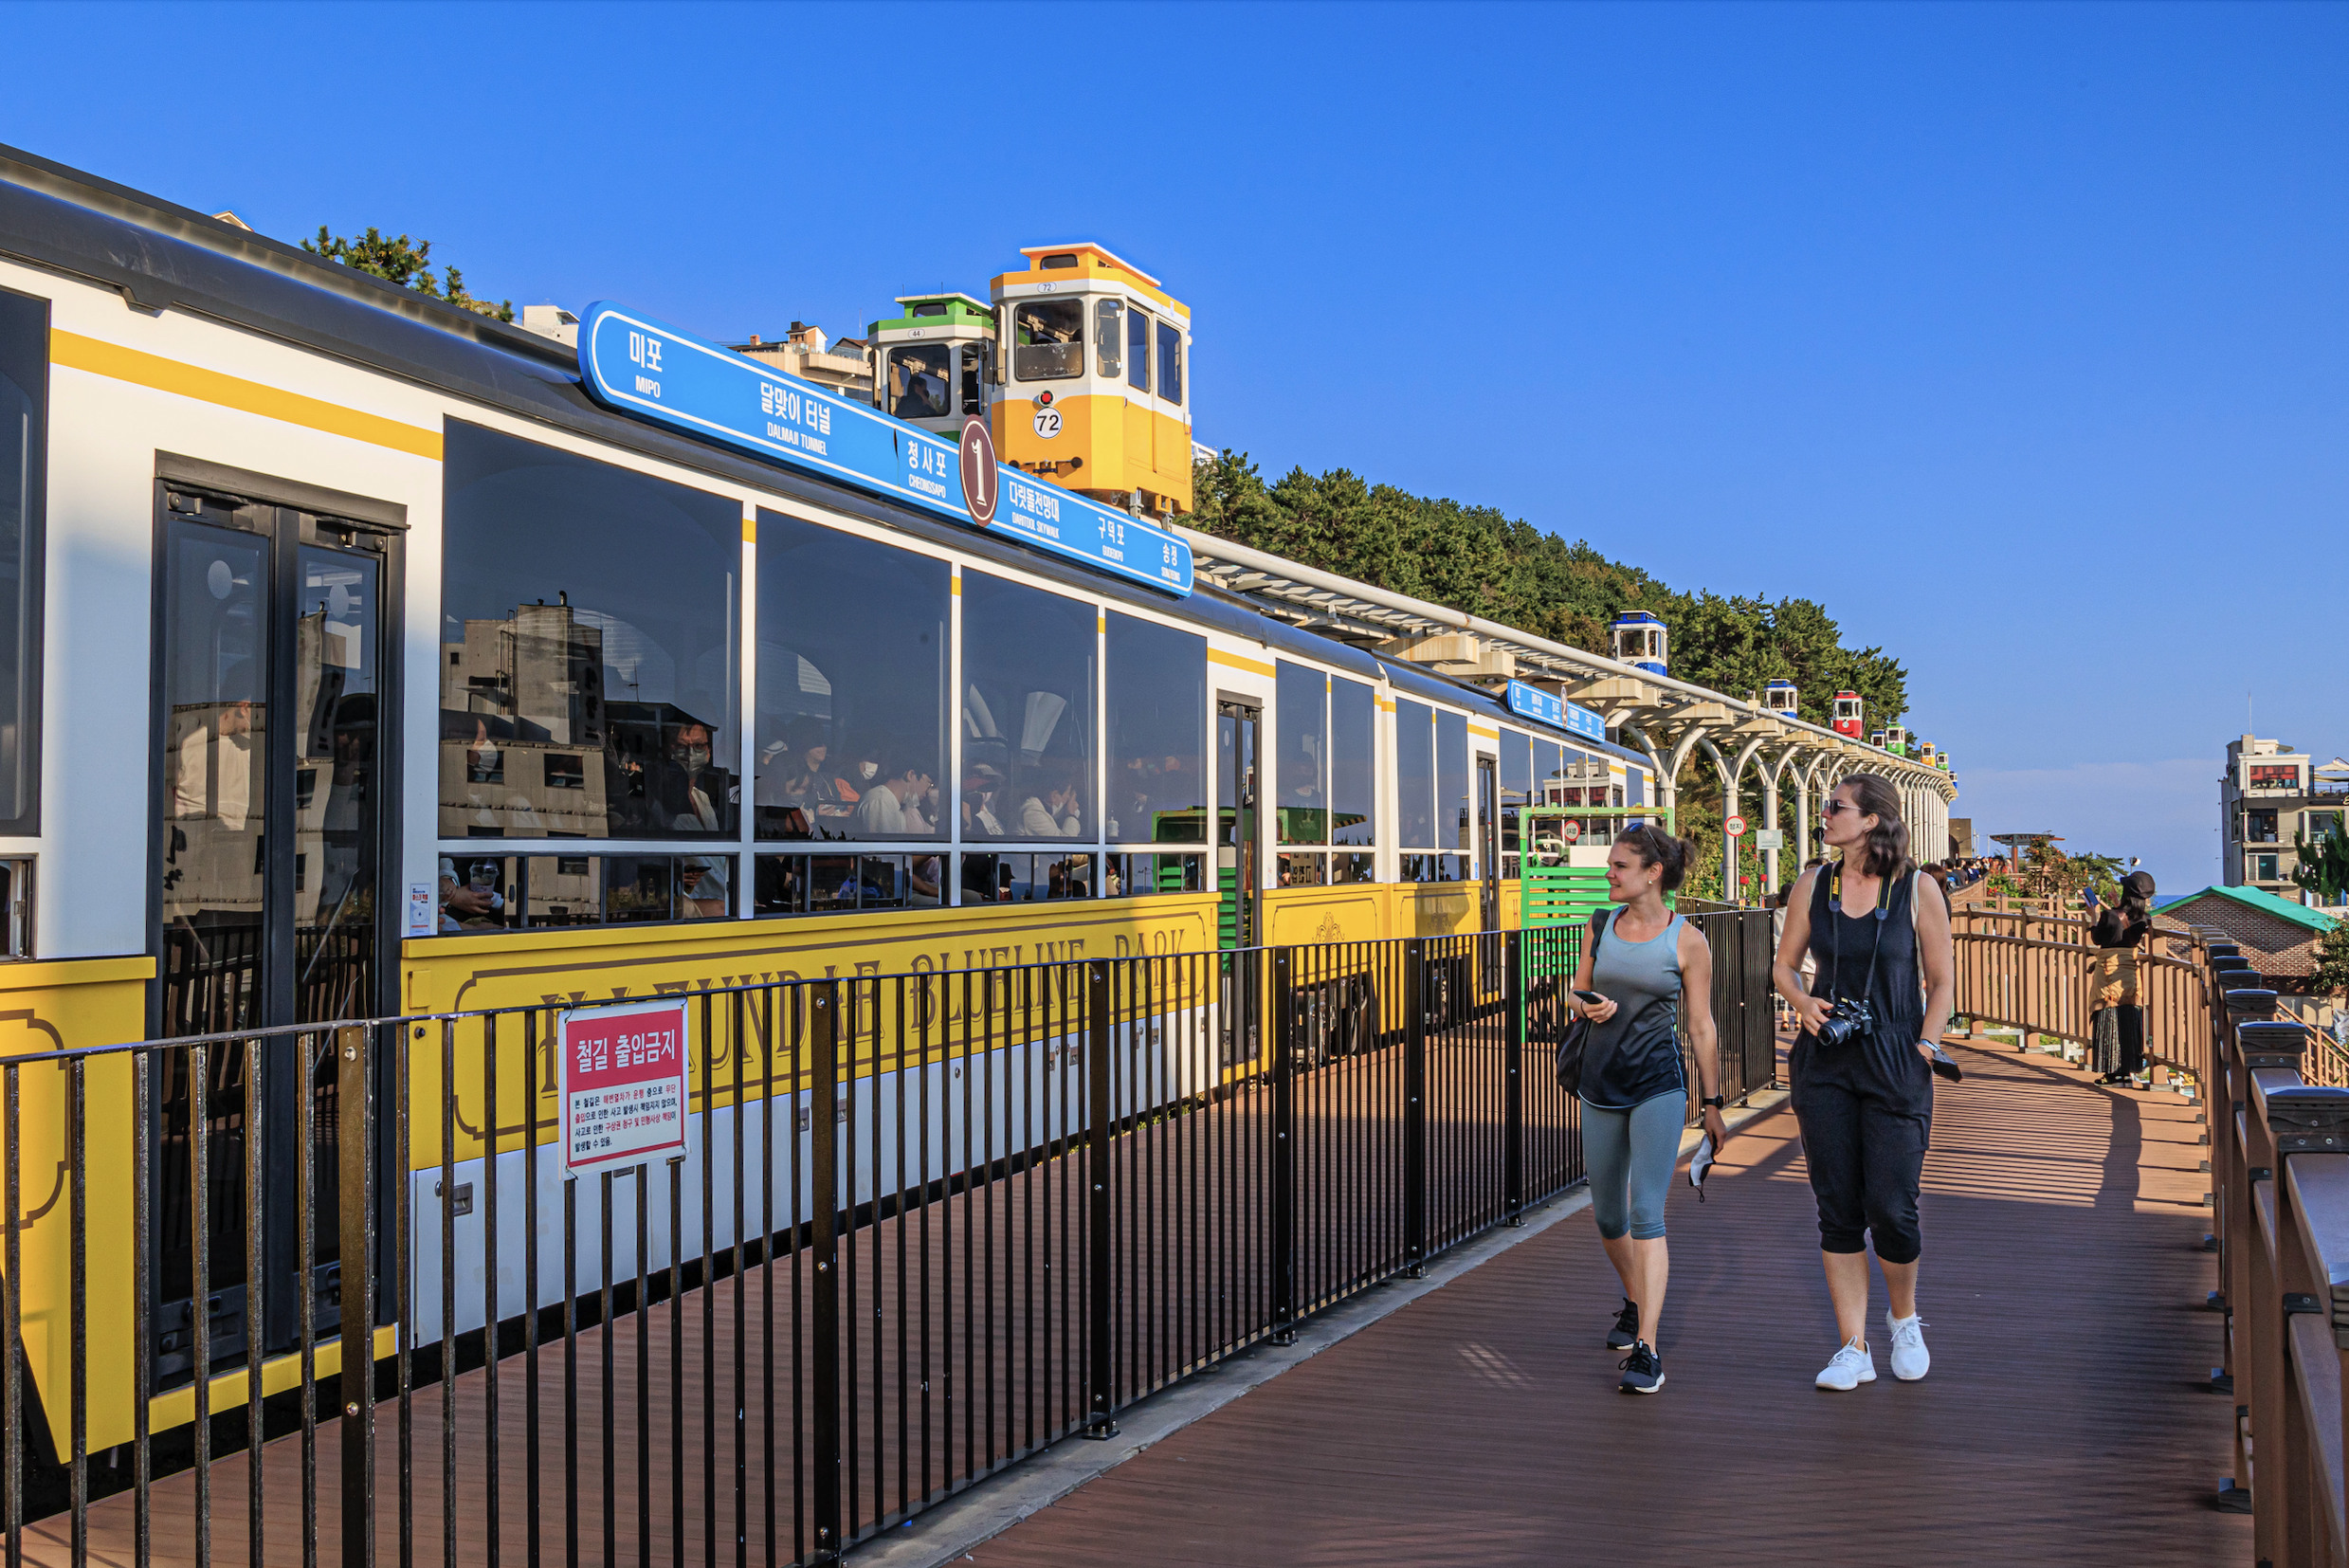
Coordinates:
624 1084
1769 838
1733 827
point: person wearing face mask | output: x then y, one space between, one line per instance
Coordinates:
860 775
891 808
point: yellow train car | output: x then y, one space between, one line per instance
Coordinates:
1095 393
356 662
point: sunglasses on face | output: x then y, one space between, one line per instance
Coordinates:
1835 806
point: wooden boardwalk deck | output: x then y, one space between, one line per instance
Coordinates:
2066 1419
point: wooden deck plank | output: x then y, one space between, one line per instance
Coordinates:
2064 1422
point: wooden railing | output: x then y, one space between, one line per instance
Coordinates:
2035 971
2276 1098
2280 1175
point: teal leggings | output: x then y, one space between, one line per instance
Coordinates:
1630 1155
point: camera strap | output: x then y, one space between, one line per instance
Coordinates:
1834 946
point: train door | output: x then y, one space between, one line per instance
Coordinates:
1488 882
1237 729
274 759
1488 841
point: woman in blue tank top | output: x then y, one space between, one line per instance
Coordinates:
1640 960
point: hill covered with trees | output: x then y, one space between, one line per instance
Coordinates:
1476 559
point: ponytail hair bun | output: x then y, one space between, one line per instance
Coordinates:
1656 847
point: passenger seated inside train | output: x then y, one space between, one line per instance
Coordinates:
1054 812
892 807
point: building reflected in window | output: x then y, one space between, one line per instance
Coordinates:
590 666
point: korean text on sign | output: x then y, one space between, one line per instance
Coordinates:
623 1085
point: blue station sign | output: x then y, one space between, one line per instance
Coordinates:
635 365
1546 708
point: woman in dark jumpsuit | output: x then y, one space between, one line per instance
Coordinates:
1877 930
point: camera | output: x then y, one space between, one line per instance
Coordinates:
1845 1021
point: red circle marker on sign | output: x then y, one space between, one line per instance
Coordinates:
1570 831
1735 826
979 471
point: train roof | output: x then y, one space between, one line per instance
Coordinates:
161 256
1636 617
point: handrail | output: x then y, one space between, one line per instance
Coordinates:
2279 1165
2046 987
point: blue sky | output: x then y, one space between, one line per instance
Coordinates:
2018 336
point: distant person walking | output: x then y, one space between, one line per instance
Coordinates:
1640 960
1863 1069
2117 1022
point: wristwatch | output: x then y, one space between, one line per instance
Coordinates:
1714 1102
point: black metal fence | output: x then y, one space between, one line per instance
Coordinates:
922 1225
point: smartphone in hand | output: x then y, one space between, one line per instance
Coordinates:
1588 998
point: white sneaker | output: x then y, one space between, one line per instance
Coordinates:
1909 1356
1851 1367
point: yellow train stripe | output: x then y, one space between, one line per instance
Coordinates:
99 357
1489 734
278 1374
1254 667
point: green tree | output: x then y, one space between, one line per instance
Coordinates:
2323 867
2331 975
1478 560
405 264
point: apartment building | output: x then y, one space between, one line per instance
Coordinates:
2269 797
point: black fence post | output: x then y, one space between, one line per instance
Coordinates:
355 1146
1415 1109
1283 1063
1513 1083
1100 1361
824 1176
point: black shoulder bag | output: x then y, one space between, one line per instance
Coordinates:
1578 1032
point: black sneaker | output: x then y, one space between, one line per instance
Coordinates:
1626 1332
1643 1370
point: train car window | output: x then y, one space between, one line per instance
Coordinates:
1135 876
1304 870
1049 339
1026 878
1027 752
23 446
852 713
1157 732
1106 334
1414 776
836 884
1353 764
535 892
978 366
1138 348
1345 868
1451 782
1064 259
1549 772
1170 361
1517 792
921 381
1303 754
591 612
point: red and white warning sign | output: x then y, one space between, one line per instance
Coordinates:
1570 831
1733 827
624 1084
